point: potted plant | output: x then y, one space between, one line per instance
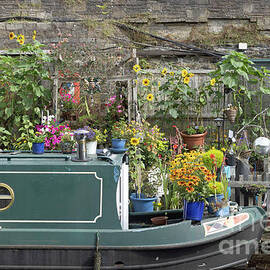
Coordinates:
194 137
256 160
191 180
236 72
179 93
67 143
253 190
146 143
119 135
213 160
38 143
218 200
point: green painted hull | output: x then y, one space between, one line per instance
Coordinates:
63 215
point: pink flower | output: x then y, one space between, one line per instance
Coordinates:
119 106
119 111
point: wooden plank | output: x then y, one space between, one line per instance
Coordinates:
233 194
260 200
248 183
250 201
129 88
242 199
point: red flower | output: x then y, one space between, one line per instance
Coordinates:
212 156
174 126
175 146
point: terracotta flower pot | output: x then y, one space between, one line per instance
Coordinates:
161 220
193 141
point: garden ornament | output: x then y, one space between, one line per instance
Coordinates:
262 145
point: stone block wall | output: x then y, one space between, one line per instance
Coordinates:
177 19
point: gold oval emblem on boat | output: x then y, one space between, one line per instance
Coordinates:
6 196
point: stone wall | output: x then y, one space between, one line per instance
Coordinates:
178 19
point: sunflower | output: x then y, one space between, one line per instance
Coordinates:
171 73
145 82
20 37
150 97
213 82
134 141
11 35
164 71
21 42
184 73
136 68
186 80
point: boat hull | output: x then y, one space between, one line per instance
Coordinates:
224 250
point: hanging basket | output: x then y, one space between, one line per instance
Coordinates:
231 114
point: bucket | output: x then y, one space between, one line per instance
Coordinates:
193 210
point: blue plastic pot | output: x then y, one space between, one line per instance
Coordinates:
118 143
38 148
193 210
142 204
221 212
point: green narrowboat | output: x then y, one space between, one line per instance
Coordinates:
59 214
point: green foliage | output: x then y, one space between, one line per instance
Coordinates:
21 91
195 130
5 136
237 72
37 138
26 133
119 130
215 187
213 159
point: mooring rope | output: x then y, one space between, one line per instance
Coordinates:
97 254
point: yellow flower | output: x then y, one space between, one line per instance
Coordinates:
191 75
136 68
150 97
164 71
186 80
11 35
145 82
171 73
134 141
223 149
213 81
21 42
184 73
34 37
34 32
159 83
20 37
